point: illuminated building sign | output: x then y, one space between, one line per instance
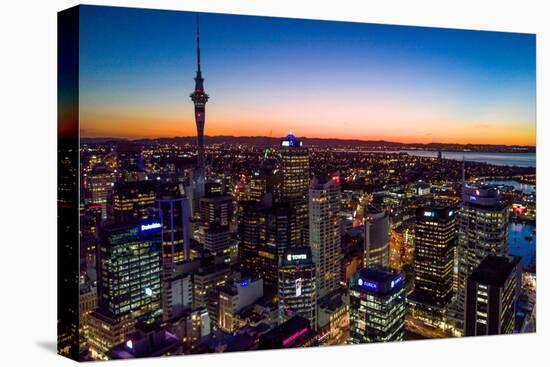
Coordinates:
385 286
294 257
396 281
367 284
149 226
429 214
298 287
244 283
130 344
294 336
291 141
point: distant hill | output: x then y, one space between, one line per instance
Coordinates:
264 141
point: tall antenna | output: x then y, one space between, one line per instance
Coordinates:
198 46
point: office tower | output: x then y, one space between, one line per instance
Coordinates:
492 292
377 236
248 234
296 289
435 236
482 231
377 306
218 242
206 280
233 298
133 201
128 285
174 215
100 183
214 187
324 232
216 209
294 333
129 271
275 238
130 162
199 98
264 181
294 158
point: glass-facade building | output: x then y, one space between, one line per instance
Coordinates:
435 240
129 271
377 306
482 231
296 289
294 164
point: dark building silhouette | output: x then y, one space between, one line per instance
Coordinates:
491 295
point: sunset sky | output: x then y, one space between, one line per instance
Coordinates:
318 79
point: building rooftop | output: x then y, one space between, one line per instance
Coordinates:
495 270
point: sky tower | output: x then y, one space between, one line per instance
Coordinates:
199 98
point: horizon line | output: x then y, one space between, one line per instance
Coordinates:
303 137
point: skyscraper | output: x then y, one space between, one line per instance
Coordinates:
100 183
174 216
295 183
199 98
297 293
129 270
175 231
435 242
483 230
133 201
491 294
377 236
128 283
377 306
248 234
324 232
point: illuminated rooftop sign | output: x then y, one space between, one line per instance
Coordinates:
294 257
146 227
291 141
396 281
367 284
380 286
429 214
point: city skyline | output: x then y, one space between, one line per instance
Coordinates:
183 250
268 78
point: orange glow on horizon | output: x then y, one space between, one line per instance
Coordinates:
147 126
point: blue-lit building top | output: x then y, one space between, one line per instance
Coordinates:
377 306
377 280
290 141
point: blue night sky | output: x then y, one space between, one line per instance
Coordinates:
316 78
